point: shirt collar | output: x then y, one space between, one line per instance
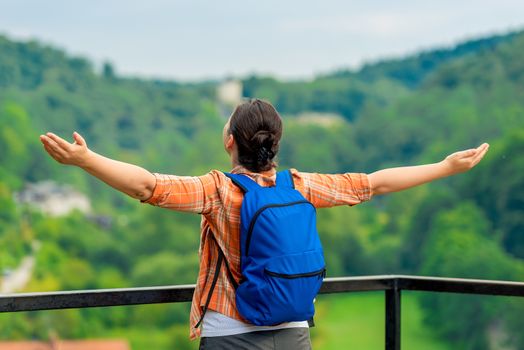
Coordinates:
239 169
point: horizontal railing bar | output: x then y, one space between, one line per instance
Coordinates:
183 293
459 285
357 284
95 298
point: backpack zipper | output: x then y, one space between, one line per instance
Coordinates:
322 272
260 210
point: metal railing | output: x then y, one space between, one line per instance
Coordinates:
391 284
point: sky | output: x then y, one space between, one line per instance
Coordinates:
195 39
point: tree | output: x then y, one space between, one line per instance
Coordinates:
498 188
460 246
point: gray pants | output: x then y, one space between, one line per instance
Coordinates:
280 339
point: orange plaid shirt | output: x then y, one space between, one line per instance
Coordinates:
218 200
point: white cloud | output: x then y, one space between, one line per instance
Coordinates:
374 23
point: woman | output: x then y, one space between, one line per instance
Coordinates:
251 138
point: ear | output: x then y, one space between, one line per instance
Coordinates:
230 142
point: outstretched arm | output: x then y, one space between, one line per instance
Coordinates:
133 180
398 179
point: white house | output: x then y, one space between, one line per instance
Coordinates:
53 199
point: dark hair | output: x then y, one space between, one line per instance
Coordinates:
256 127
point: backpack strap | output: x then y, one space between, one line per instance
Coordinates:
221 260
285 179
212 288
243 181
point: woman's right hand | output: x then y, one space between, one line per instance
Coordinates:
133 180
64 152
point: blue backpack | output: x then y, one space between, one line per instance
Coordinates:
282 262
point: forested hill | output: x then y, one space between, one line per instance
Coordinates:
411 71
345 92
393 112
120 114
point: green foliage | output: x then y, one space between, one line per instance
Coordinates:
332 155
418 209
164 268
499 190
15 232
342 96
512 321
18 142
412 71
460 246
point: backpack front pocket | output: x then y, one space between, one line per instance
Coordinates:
293 281
322 271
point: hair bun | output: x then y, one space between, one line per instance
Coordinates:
263 143
263 138
264 154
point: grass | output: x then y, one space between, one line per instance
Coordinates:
356 321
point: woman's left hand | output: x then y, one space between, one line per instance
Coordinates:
462 161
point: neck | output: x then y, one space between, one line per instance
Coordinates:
234 163
233 155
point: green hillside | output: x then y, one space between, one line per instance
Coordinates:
390 113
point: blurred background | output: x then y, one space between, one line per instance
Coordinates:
360 86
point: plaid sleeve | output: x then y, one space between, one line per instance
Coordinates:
328 190
184 193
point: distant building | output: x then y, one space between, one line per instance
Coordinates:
66 345
53 199
229 92
320 119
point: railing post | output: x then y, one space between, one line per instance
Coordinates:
393 318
